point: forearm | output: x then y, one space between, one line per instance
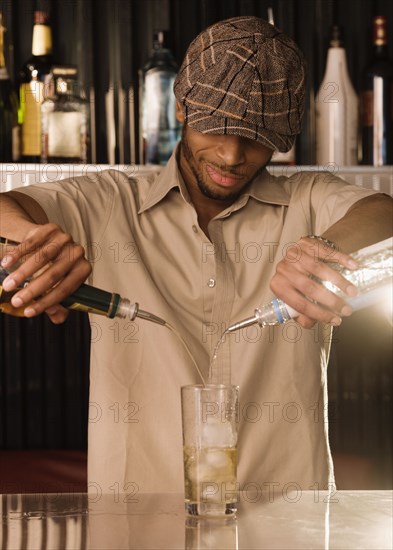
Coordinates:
368 221
19 215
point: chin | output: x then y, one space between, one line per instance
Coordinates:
218 193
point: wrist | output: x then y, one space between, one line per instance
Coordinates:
323 240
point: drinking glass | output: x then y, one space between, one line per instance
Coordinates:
210 419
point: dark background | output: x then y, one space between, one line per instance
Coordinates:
44 368
109 40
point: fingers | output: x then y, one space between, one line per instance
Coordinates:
41 246
298 282
302 293
52 264
324 255
68 284
57 314
69 262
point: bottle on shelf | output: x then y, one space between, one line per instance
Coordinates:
377 101
9 127
373 280
336 110
288 158
86 298
33 87
64 120
159 128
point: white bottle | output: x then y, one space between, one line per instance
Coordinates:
336 110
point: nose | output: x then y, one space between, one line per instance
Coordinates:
230 149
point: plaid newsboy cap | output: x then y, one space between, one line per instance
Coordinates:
243 76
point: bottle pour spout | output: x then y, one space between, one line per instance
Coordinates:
275 312
150 317
127 309
242 324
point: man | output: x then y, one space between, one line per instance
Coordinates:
199 246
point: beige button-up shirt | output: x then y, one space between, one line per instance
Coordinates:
143 239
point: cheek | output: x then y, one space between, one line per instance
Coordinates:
200 145
253 163
199 151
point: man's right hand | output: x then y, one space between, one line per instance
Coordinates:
56 265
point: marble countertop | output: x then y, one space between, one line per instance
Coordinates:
269 519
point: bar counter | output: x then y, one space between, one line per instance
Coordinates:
266 518
13 175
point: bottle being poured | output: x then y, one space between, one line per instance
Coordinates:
86 298
90 299
373 280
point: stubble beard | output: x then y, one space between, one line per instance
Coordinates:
203 187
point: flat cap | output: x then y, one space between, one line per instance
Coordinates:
244 76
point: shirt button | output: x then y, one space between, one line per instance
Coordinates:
211 283
195 229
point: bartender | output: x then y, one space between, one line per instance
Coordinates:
185 239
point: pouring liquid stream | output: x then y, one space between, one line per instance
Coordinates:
187 349
213 362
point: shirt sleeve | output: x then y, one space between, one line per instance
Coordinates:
82 205
330 199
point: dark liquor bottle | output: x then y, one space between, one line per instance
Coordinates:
377 101
65 120
33 83
159 128
86 298
9 128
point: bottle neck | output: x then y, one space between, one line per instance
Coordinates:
380 37
161 59
380 51
2 57
336 62
161 53
66 87
42 40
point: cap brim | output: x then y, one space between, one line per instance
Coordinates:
208 123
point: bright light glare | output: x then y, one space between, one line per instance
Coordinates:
386 306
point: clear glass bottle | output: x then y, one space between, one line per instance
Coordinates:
9 127
65 120
373 280
159 128
336 110
32 87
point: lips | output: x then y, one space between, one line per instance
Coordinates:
221 179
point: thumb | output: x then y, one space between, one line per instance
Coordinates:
57 314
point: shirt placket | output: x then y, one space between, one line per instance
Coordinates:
220 291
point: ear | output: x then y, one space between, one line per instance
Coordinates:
179 113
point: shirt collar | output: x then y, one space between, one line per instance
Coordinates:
265 188
169 178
